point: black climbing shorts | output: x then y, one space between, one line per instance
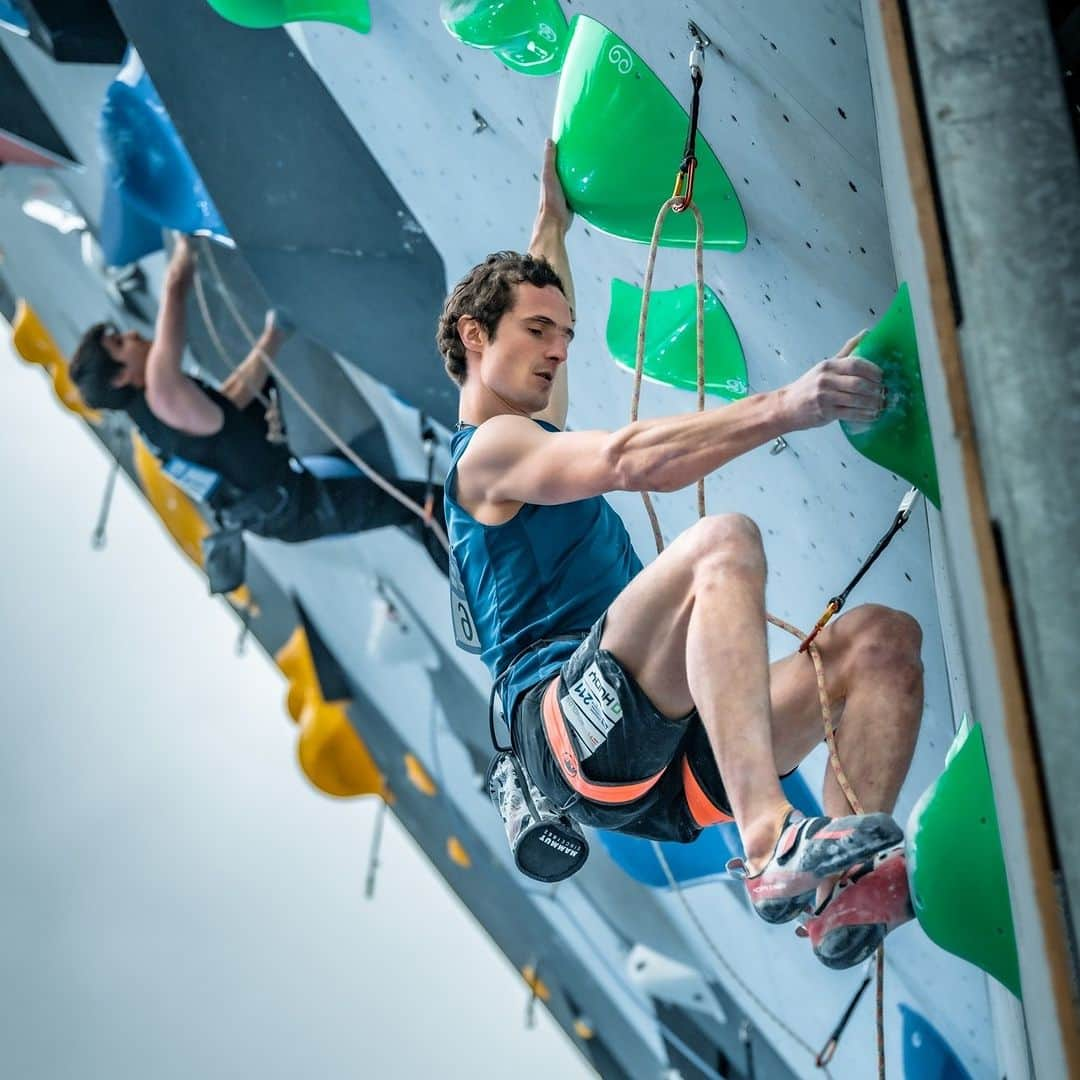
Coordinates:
620 738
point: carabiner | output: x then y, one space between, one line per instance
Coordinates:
684 186
833 606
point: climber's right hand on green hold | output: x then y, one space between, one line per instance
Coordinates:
554 211
844 387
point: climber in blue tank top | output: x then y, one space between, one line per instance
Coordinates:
643 700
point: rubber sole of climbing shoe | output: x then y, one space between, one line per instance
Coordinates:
808 852
868 902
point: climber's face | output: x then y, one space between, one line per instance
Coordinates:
519 360
129 349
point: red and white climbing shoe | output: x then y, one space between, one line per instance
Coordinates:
864 905
809 851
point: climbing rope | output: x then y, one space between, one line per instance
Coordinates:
670 1035
215 338
692 915
807 643
312 413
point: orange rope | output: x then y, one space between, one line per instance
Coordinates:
807 641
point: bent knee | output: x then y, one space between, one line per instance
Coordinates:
726 544
883 640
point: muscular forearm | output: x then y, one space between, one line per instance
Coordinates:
549 241
170 333
246 382
670 453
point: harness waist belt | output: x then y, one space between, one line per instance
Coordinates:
562 747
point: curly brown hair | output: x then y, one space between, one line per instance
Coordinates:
486 293
93 370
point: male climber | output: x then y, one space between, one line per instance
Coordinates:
642 700
227 430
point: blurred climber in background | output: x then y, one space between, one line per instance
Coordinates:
643 700
227 441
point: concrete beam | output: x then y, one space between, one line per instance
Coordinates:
1000 362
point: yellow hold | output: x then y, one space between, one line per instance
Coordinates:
583 1028
535 983
456 850
36 346
332 755
419 777
177 511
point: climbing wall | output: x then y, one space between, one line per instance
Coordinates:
424 153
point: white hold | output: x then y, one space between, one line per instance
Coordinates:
668 980
395 637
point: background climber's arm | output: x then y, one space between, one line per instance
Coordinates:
171 395
553 219
245 383
511 461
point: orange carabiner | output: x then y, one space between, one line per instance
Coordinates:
684 186
830 610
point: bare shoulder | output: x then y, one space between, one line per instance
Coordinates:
513 460
502 437
496 445
181 403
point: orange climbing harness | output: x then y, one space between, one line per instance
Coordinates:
701 807
679 203
562 748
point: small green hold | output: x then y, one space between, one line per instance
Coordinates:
528 36
671 339
620 134
899 440
266 14
956 868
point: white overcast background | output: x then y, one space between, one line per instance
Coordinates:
175 899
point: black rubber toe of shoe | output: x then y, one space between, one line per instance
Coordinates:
869 834
849 945
785 908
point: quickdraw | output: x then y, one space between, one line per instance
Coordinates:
683 193
825 1055
833 607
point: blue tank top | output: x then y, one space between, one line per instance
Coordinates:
548 571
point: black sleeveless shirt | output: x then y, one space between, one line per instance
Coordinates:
239 451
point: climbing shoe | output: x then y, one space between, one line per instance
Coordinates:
807 852
866 903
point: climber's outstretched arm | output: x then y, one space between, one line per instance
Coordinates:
171 395
512 461
553 220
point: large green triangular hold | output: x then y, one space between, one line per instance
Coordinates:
671 339
956 868
266 14
620 134
899 440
